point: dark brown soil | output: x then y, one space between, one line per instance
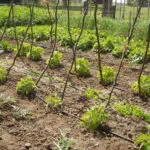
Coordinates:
42 128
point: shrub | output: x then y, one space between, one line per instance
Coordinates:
145 86
82 67
53 102
94 117
4 45
56 60
108 75
26 86
92 94
144 141
3 74
36 53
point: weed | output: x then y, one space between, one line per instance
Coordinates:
145 86
82 67
26 86
94 117
53 102
56 60
6 100
21 114
63 142
108 75
3 75
92 94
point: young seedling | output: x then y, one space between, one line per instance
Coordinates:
53 102
131 110
3 75
4 45
108 75
36 53
55 60
26 86
92 94
94 118
145 86
144 141
82 67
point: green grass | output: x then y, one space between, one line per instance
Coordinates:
110 26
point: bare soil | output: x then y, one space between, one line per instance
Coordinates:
39 132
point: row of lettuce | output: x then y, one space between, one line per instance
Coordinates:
108 43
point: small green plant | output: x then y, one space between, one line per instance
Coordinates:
82 67
21 114
55 60
108 75
118 51
63 142
92 94
94 117
87 42
36 53
128 110
145 86
53 102
108 44
3 74
24 50
131 110
6 101
144 141
4 45
26 86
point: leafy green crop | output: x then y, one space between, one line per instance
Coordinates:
24 50
55 60
36 53
26 86
108 44
144 141
53 102
145 86
94 117
92 94
108 75
3 74
82 67
131 110
118 51
4 45
87 42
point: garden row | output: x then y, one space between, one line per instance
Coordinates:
109 43
94 117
